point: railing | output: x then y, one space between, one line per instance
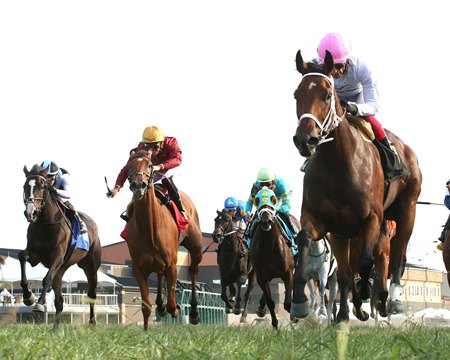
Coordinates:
82 300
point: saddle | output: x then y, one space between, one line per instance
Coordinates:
392 164
163 195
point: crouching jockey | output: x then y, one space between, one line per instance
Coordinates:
266 177
58 180
266 200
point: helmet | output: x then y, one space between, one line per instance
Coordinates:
337 46
152 134
265 196
51 167
264 175
231 203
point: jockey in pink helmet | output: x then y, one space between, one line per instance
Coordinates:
357 90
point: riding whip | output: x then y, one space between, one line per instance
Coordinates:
428 203
106 182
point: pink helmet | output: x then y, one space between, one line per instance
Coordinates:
337 46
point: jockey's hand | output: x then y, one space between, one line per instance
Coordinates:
113 192
52 190
254 190
351 108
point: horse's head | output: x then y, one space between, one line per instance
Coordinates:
223 224
317 105
35 191
140 173
265 201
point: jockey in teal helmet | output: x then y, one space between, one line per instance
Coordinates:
267 177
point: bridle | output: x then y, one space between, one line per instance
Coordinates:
148 172
332 119
228 225
267 224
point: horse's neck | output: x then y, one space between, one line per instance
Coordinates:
149 207
52 212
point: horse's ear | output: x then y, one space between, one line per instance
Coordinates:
328 64
273 199
301 65
218 212
25 170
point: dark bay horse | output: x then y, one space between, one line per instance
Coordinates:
271 256
49 242
152 238
233 261
344 190
446 254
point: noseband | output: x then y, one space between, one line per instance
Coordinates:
332 120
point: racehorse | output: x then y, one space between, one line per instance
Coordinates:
446 254
152 238
321 268
344 190
233 261
49 242
271 256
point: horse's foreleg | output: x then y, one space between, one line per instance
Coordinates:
196 257
341 250
368 236
46 284
288 280
332 291
312 295
323 277
146 305
160 306
381 264
59 300
300 305
171 279
224 297
265 286
251 284
28 297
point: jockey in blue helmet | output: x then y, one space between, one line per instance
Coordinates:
440 246
235 208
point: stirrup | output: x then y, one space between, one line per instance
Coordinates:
305 164
83 229
124 216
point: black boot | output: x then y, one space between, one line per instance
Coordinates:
393 166
83 229
174 194
442 237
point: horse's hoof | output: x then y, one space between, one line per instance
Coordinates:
395 307
261 313
243 320
38 308
161 311
227 311
30 301
194 320
92 322
237 311
300 310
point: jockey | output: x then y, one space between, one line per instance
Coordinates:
266 177
166 155
59 181
357 89
440 246
235 208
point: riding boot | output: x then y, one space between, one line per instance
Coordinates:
444 230
393 166
174 194
81 223
128 212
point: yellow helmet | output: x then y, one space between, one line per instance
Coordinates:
152 134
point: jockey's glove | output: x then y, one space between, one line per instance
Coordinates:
350 108
52 190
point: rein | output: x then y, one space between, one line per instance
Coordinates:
332 120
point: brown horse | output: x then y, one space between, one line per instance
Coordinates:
344 190
49 242
271 257
152 238
233 261
446 254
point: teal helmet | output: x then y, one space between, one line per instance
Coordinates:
265 196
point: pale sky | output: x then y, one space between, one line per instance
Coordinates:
80 80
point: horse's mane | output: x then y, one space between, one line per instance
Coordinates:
37 170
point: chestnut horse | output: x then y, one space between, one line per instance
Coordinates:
152 238
271 257
49 242
344 190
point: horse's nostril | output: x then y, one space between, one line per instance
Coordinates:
313 141
143 185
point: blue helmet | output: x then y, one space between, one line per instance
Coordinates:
51 167
231 203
